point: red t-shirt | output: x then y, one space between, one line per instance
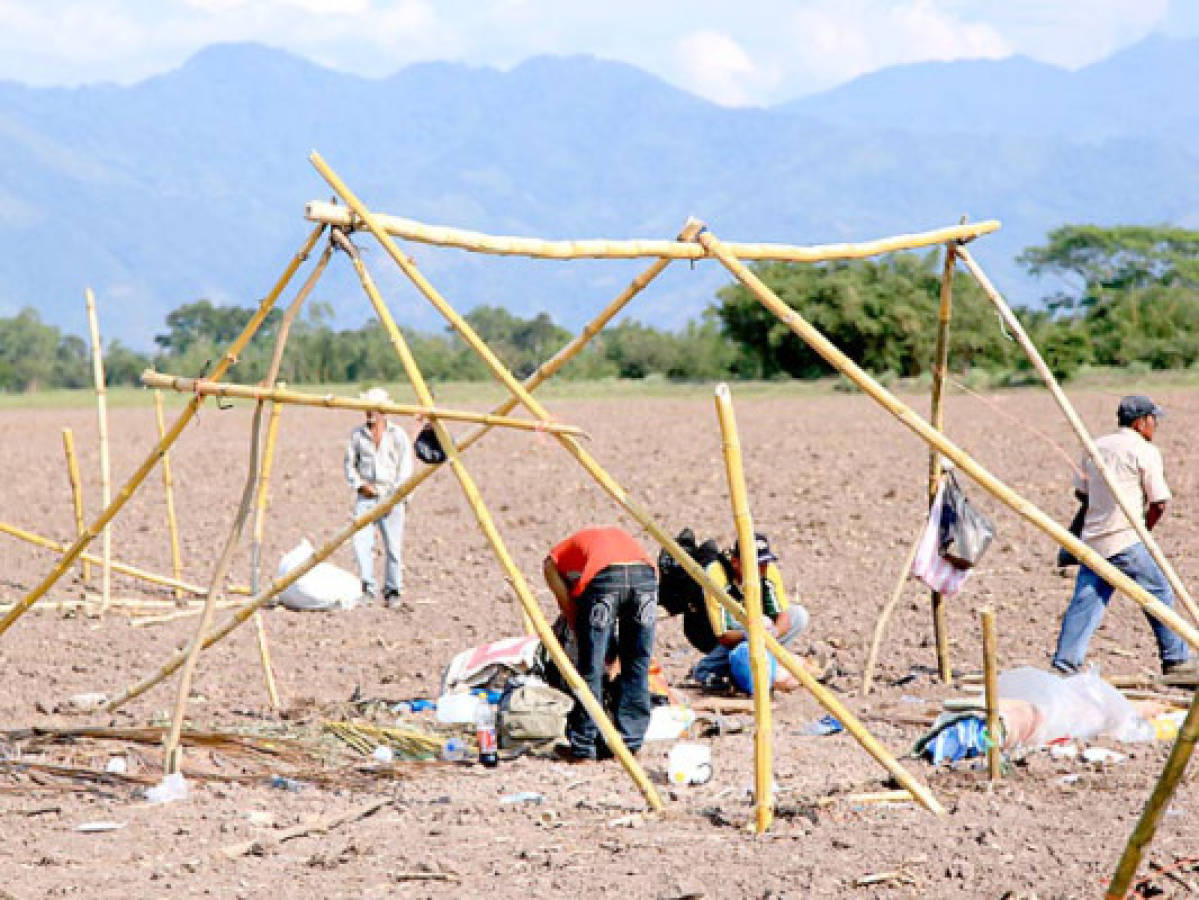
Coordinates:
586 553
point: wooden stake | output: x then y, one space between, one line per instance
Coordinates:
1158 803
139 475
822 695
168 487
348 219
102 417
1135 516
885 615
991 683
751 589
965 463
68 447
937 420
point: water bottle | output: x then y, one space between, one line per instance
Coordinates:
485 729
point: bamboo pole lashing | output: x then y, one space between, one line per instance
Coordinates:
1134 516
591 703
785 657
68 448
991 692
347 220
542 374
102 419
884 615
992 485
139 474
937 420
150 378
751 590
168 487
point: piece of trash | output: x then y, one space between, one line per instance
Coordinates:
522 797
1102 756
689 764
1063 751
116 765
282 783
827 724
97 827
82 703
173 787
384 754
667 723
1067 780
636 820
457 709
455 750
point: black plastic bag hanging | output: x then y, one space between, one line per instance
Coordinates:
965 532
427 447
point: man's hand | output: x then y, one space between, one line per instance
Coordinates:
367 490
1154 513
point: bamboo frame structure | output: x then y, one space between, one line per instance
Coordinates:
884 615
1158 802
262 500
937 420
139 475
349 219
168 487
991 691
1136 517
68 449
822 695
751 589
102 419
429 411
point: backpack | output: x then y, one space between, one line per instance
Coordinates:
530 714
680 594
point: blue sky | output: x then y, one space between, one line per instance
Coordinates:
752 52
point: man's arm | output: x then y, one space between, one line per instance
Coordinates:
351 466
557 586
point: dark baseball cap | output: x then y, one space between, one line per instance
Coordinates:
1134 407
762 546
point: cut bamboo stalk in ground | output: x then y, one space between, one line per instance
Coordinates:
346 219
936 418
884 616
139 475
102 417
1135 517
206 388
68 448
788 660
168 487
263 498
751 589
991 693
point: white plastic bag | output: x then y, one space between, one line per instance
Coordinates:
325 587
1081 706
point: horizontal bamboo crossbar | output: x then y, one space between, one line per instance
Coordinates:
500 245
153 379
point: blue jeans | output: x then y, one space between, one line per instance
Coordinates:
1091 596
391 528
624 600
716 663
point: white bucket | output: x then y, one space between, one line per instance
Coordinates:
690 764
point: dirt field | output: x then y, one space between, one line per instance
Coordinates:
837 484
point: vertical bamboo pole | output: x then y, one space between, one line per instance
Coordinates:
264 478
884 616
751 589
264 652
1136 517
168 486
139 475
937 420
991 686
68 447
594 707
102 417
1159 801
501 373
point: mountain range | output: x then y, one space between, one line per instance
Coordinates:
192 184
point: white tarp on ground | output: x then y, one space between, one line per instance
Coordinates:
326 587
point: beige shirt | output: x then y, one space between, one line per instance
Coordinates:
1136 468
383 467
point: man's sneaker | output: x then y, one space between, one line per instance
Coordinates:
391 598
368 595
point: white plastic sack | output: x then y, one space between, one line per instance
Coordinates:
1081 706
325 587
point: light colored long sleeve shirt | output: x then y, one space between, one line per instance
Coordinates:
383 467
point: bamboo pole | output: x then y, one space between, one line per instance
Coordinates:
991 692
206 388
1159 801
348 219
139 475
884 615
591 703
964 462
68 448
264 651
1136 517
102 418
751 589
937 420
264 479
784 656
168 487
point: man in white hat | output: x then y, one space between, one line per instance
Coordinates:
378 459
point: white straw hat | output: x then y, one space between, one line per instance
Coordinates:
376 395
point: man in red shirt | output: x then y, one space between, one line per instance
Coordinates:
606 585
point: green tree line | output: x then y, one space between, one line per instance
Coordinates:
1128 295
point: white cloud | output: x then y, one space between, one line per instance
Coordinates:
716 66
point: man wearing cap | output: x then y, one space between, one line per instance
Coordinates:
378 459
784 620
1136 468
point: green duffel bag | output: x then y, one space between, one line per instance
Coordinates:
532 714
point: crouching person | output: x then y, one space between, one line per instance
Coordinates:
607 588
